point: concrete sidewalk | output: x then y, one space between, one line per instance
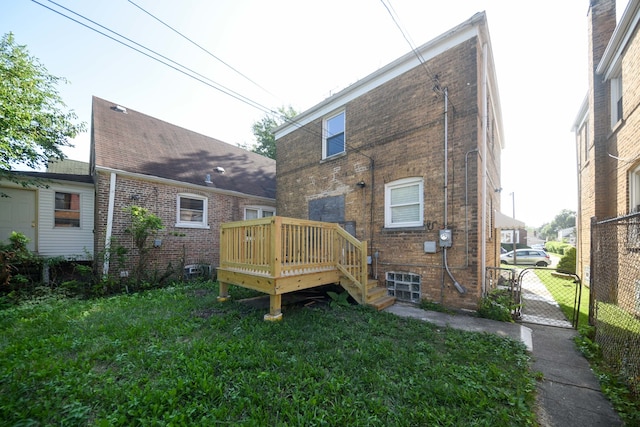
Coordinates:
569 393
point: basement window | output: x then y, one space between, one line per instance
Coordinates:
404 286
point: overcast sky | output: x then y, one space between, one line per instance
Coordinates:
293 52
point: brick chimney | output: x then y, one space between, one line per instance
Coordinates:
601 25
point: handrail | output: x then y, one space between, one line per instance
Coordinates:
280 247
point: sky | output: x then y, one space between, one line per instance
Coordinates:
253 56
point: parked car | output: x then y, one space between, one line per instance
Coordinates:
527 256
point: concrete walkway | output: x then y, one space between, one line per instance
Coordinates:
569 394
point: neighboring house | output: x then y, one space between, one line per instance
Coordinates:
192 182
607 127
567 235
408 159
57 215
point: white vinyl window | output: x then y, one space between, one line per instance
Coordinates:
67 210
634 190
616 100
191 211
255 212
404 203
333 140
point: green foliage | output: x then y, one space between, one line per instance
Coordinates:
263 131
568 261
497 305
557 247
143 226
339 299
565 219
176 356
34 126
434 306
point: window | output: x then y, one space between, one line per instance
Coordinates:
403 203
191 211
404 286
258 212
634 190
616 100
67 210
333 135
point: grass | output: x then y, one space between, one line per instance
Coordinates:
175 356
563 291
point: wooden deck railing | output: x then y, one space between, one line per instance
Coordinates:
279 247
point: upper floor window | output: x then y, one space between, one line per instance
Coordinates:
191 211
333 135
616 100
258 212
404 203
67 210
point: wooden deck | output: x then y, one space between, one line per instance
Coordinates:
277 255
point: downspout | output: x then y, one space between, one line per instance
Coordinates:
485 108
107 237
466 202
457 285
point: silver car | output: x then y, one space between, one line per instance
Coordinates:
527 256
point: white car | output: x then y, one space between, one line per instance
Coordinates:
535 257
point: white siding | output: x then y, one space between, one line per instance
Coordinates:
65 241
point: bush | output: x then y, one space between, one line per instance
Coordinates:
498 305
568 261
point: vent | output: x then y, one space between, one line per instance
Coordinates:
119 109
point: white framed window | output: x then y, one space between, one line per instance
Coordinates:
404 203
333 137
255 212
616 100
191 211
67 210
634 190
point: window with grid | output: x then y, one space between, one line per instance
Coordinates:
191 211
258 212
403 203
67 210
333 135
404 286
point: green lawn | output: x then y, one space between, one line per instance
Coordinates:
563 291
178 357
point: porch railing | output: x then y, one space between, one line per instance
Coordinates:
278 247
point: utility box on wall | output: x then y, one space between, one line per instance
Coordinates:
444 238
430 247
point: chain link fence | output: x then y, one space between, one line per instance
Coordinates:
615 294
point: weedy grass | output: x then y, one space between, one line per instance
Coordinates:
563 291
176 356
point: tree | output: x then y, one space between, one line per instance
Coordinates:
34 125
263 131
565 219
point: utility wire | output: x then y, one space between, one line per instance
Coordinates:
177 66
198 46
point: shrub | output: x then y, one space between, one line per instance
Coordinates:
568 261
498 305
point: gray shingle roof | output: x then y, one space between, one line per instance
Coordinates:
135 142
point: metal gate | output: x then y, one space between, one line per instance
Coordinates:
540 295
550 297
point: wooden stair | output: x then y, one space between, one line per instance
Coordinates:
377 296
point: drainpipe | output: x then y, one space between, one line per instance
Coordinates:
107 237
466 202
485 108
457 285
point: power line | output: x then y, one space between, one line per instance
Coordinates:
198 46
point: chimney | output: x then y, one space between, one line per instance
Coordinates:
601 25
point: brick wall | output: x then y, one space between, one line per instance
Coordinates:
180 246
396 131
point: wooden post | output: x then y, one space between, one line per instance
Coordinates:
223 294
275 308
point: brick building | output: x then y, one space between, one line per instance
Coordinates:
403 154
607 127
192 182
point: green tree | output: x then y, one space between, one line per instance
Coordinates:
34 125
565 219
263 131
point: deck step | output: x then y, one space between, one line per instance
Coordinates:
383 302
375 293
